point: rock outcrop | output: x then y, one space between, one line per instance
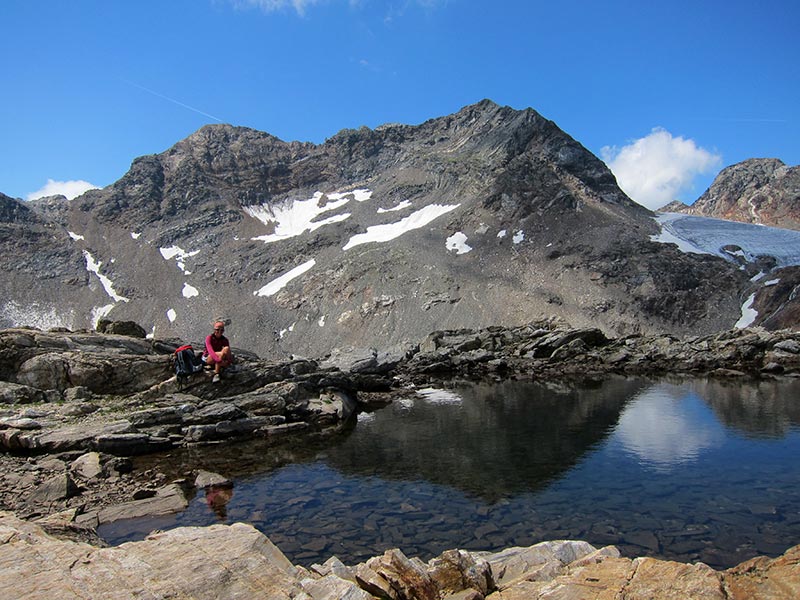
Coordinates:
235 561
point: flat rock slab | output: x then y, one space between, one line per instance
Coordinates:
216 562
168 500
75 437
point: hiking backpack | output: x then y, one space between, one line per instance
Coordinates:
186 363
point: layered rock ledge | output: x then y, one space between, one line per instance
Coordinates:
237 561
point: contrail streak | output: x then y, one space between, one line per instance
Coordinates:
167 98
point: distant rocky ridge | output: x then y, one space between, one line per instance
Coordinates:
489 216
762 191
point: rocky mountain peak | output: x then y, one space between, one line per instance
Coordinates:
762 191
489 216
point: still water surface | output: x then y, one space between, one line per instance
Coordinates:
680 469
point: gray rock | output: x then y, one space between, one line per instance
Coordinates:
22 423
73 437
156 416
130 444
207 479
44 372
87 466
128 328
73 394
14 393
333 587
792 346
57 487
215 412
77 409
168 500
541 561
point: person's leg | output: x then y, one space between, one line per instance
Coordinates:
224 360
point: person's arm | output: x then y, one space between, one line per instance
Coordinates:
210 350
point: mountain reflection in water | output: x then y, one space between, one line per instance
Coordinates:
681 469
498 441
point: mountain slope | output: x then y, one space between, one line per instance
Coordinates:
376 237
762 191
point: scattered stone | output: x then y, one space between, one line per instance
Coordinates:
207 479
14 393
58 487
169 499
87 466
130 444
23 423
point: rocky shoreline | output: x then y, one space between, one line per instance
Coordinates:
235 561
75 407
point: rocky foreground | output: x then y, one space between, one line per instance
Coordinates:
75 406
236 561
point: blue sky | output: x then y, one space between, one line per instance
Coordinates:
667 92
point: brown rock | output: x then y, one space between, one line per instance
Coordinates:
455 571
767 578
408 578
669 580
215 562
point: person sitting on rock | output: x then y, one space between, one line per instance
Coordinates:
218 350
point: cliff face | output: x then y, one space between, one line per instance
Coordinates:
376 237
762 191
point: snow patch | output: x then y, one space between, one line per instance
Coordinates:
458 242
172 315
749 314
771 282
518 237
135 235
289 329
189 291
75 236
400 206
36 315
180 256
321 321
276 285
94 267
100 312
437 396
295 217
502 233
390 231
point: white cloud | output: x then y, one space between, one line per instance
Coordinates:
70 189
655 169
300 6
267 6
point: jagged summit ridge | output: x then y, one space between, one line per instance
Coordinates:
762 191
